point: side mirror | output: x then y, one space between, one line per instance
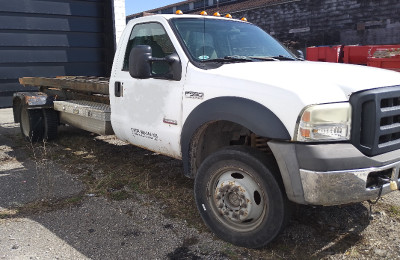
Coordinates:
175 65
139 62
300 54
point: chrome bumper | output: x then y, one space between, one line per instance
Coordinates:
332 174
341 187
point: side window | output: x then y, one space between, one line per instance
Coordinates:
154 35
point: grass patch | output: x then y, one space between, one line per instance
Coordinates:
394 211
119 195
48 205
8 213
121 171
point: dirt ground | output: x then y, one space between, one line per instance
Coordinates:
99 198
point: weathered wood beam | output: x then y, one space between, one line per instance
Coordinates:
94 85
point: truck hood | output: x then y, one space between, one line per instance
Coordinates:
312 82
286 87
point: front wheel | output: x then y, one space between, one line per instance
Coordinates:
240 198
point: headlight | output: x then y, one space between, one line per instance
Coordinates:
326 122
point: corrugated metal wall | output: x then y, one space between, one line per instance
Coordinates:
53 38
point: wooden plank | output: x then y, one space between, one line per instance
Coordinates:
69 95
77 83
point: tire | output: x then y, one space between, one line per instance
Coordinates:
50 124
240 198
31 124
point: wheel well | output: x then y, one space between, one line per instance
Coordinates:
214 135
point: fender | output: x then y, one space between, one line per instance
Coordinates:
250 114
31 100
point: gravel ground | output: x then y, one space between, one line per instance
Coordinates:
72 200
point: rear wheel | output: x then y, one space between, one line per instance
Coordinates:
31 124
240 198
50 124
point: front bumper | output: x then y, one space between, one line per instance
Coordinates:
332 174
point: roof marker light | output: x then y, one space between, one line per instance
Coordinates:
244 19
228 16
217 14
203 13
178 12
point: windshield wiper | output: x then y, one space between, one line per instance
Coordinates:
233 58
237 58
272 58
280 57
264 58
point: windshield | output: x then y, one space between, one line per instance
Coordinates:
218 40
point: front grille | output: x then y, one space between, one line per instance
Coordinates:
376 120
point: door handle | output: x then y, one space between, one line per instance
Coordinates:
118 89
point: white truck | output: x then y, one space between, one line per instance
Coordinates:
256 127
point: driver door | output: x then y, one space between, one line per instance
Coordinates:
147 112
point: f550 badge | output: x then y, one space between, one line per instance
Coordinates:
195 95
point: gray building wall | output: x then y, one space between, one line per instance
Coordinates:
330 22
50 38
314 22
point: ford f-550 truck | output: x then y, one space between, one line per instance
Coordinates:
256 127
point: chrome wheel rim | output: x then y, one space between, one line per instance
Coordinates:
237 200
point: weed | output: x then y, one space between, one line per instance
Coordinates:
119 195
45 169
394 211
49 205
73 200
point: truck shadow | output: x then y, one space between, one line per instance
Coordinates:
128 182
315 232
